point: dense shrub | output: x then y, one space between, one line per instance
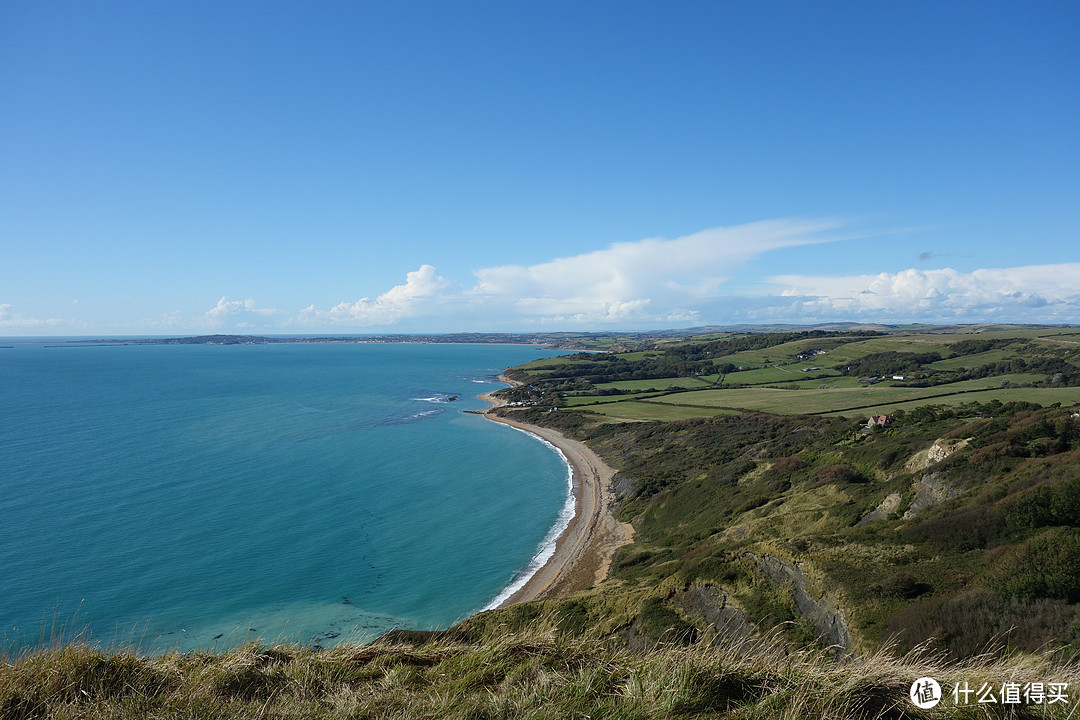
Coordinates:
835 474
1045 506
890 363
767 606
660 622
789 465
573 618
978 620
901 585
734 470
715 568
1047 566
969 529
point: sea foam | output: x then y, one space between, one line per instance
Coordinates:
546 548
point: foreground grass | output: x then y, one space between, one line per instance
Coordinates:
527 675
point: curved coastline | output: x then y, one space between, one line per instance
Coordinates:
547 546
583 550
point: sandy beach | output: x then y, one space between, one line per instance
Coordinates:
584 551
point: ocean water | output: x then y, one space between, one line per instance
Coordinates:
198 496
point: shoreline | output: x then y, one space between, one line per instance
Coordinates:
584 549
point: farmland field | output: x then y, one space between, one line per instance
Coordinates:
952 368
638 410
797 402
658 384
1040 396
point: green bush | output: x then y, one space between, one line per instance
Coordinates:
788 466
901 585
573 618
714 568
1047 566
660 622
835 474
767 606
975 621
1045 505
969 529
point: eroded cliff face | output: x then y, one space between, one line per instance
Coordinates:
931 489
709 604
885 508
941 449
822 613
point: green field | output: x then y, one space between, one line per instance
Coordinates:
638 355
1042 396
971 361
838 351
657 384
645 410
579 400
1026 331
775 381
792 402
832 381
903 343
547 362
775 374
834 400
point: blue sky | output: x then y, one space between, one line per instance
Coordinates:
354 167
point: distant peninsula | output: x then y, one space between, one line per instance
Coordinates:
609 341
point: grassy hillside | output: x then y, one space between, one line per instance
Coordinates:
504 674
956 527
788 560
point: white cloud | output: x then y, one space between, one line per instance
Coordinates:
419 295
679 282
644 280
226 307
1033 293
655 281
11 320
588 313
239 314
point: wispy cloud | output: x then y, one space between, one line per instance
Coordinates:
687 280
422 291
1033 293
657 282
647 280
650 281
930 255
12 320
240 314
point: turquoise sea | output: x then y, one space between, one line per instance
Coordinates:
199 496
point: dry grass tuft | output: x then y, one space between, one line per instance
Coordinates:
527 675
